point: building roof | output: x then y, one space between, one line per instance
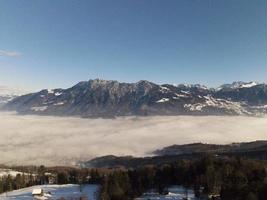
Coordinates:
37 191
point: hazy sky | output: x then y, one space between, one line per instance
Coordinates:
58 43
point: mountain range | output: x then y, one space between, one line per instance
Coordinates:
102 98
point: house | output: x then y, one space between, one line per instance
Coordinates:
214 196
50 178
37 192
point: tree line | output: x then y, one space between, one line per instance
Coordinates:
230 179
31 176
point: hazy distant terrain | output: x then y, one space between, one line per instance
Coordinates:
63 140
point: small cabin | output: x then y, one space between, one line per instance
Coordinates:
50 178
38 192
214 197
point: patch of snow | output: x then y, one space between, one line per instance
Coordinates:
180 95
203 87
248 85
48 102
58 93
259 107
39 108
210 101
50 91
185 92
218 103
59 103
193 86
194 107
187 105
163 100
164 89
236 85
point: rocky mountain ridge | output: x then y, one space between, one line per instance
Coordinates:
102 98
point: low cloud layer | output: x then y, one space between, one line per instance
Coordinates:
9 53
63 140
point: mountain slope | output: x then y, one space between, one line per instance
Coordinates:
253 150
101 98
212 148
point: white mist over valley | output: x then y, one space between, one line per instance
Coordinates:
28 139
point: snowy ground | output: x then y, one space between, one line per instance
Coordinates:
68 192
175 193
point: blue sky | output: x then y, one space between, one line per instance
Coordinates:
57 43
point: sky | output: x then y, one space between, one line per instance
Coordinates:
57 43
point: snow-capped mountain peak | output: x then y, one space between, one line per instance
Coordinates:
248 85
101 98
237 85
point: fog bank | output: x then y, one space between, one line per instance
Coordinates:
64 140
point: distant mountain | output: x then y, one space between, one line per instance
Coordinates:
252 150
237 85
101 98
211 148
254 95
7 94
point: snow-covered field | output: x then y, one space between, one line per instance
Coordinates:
175 193
55 192
42 140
